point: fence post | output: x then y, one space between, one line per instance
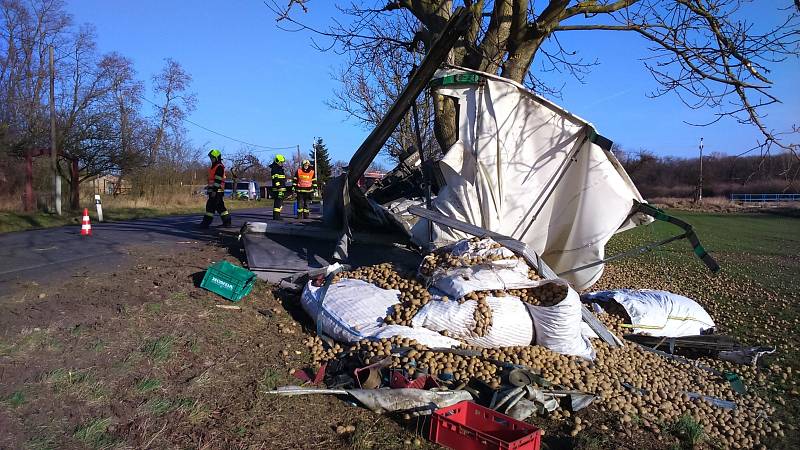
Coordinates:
99 206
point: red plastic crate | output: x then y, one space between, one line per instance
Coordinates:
469 426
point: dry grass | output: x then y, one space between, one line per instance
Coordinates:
708 203
122 207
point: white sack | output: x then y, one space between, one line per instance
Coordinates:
353 310
511 323
659 313
513 147
558 327
424 336
459 282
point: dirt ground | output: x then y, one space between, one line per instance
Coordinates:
143 358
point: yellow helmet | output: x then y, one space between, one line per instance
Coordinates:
214 153
306 162
280 159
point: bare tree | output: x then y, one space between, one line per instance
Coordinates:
368 88
92 121
702 50
27 29
171 84
243 163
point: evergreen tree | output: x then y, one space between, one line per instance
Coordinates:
323 161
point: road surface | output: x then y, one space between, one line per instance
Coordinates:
52 253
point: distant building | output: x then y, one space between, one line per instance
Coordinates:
107 185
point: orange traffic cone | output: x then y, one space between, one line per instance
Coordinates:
86 227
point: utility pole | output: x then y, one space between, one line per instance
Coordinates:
53 146
316 174
700 184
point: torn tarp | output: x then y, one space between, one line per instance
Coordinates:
412 401
526 168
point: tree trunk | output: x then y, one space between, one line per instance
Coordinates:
75 186
517 65
445 127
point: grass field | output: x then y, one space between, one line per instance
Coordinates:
760 247
143 358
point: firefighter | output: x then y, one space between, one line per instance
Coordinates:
278 185
216 191
305 183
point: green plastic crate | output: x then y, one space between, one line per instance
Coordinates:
229 281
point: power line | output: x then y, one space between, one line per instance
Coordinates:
264 147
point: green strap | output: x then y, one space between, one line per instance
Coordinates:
736 383
690 234
456 79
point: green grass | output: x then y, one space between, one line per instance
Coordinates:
688 431
148 384
16 399
159 349
194 345
29 341
97 346
94 434
79 383
158 406
269 380
11 221
41 443
759 247
179 296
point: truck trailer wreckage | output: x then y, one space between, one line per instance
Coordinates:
523 171
468 261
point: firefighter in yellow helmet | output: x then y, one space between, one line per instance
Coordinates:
278 185
305 183
216 191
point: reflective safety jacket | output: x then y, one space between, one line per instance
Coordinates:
216 177
305 180
278 178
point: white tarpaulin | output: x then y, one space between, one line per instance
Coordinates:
525 168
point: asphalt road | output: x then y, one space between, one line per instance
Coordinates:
53 253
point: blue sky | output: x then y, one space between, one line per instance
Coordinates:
267 86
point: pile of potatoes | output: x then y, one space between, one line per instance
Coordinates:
656 391
546 295
320 352
656 395
417 359
615 323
